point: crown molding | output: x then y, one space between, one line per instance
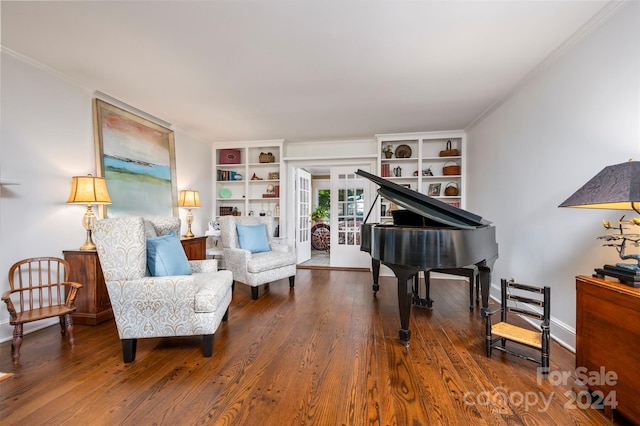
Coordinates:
591 25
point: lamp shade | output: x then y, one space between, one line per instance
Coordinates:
616 187
189 198
88 190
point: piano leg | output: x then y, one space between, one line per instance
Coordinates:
405 275
485 282
375 268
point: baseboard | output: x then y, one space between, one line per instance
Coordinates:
6 329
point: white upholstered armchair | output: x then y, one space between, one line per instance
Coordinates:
191 302
251 253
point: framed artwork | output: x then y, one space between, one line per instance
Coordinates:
137 159
434 189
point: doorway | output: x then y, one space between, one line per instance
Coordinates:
347 196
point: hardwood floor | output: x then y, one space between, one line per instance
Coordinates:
324 353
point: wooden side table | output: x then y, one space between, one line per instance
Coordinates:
92 302
195 248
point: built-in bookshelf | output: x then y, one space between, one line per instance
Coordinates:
415 160
248 179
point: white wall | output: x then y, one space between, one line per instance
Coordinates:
577 117
46 138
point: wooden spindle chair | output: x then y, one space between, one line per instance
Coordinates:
498 334
39 289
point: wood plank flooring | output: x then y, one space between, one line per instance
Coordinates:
324 353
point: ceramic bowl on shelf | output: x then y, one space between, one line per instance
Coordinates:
225 193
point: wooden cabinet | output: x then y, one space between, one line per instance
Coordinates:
92 301
608 339
415 162
93 306
195 248
248 179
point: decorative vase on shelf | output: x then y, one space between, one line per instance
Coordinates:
388 154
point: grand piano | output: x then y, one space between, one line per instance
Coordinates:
428 235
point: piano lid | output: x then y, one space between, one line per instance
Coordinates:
423 205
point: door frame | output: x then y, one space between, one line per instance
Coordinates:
292 164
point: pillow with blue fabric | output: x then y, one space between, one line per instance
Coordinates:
166 257
253 238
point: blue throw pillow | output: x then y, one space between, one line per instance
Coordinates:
253 238
166 257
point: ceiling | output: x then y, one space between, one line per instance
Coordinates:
298 70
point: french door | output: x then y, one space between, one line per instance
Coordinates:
349 196
303 214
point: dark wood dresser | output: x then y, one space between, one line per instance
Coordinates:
93 306
608 336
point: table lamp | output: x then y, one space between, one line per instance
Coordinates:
616 187
88 190
189 199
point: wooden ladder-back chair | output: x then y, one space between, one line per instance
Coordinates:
498 334
39 289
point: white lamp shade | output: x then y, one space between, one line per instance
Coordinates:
189 198
88 190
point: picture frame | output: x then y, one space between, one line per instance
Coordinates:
273 175
384 208
434 189
137 159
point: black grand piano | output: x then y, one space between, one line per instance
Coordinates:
428 236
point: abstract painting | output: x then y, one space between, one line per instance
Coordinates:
136 157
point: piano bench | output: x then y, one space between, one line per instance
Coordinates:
471 272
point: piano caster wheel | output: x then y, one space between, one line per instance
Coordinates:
405 335
428 303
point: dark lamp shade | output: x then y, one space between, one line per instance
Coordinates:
88 190
189 198
616 187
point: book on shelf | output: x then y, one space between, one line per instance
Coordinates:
226 175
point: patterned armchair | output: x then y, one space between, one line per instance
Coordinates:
146 306
256 269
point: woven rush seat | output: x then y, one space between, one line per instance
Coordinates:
518 334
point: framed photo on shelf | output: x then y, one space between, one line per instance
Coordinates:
434 189
384 208
273 176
